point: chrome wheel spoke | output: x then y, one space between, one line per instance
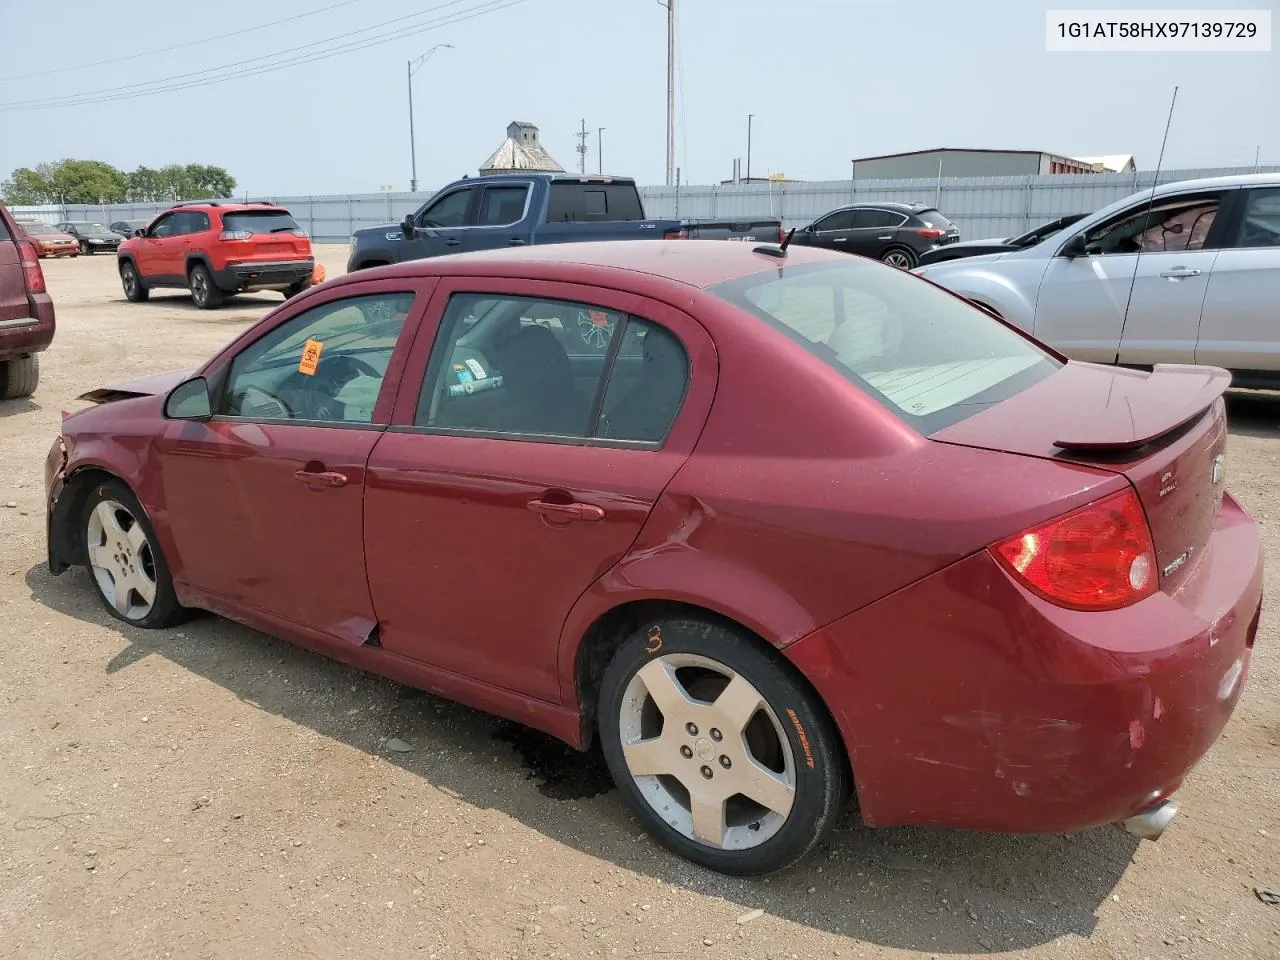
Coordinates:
136 537
738 703
708 817
145 586
660 680
120 597
106 513
100 556
649 758
766 788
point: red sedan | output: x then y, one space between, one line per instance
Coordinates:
779 527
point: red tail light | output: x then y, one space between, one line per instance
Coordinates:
931 233
782 234
31 271
674 234
235 235
1099 557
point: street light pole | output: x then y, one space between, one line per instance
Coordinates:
749 118
671 86
411 66
600 150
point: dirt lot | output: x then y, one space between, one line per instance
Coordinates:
211 792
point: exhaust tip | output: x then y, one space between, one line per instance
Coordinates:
1152 823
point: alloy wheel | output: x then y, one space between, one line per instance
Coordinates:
121 559
199 287
706 751
896 258
130 281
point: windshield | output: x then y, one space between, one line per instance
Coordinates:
39 229
1045 230
926 355
260 221
86 227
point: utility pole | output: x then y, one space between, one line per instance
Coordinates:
411 66
582 148
671 87
750 116
600 150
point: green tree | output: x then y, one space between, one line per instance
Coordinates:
27 187
144 185
194 181
87 181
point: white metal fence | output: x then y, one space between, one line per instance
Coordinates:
979 206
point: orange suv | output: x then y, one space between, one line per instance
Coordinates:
217 250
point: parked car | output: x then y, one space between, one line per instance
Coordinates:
217 250
895 233
974 248
752 546
48 240
92 237
511 210
1189 274
26 311
127 228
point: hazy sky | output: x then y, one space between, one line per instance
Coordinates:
827 81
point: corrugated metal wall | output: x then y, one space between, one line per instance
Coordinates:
981 207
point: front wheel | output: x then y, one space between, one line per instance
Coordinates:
85 249
899 257
204 293
134 289
723 754
129 570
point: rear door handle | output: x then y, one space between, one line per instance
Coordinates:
1176 273
453 241
567 511
322 478
516 242
839 239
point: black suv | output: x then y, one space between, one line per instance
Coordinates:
896 233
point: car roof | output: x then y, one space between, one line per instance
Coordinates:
696 263
1210 183
888 205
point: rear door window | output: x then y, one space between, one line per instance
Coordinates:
502 206
877 218
593 202
927 356
259 221
1260 225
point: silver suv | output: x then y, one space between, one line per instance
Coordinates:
1193 277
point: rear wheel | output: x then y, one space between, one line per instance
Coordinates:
723 754
19 378
135 291
297 288
204 293
899 257
128 568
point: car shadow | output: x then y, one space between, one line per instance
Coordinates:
1254 413
12 408
935 891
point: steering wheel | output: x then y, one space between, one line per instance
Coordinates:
315 397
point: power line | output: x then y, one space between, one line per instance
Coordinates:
178 46
202 78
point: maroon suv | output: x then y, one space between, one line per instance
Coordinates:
26 311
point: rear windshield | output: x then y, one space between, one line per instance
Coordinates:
260 221
928 356
594 202
932 218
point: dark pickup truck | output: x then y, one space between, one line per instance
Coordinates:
512 210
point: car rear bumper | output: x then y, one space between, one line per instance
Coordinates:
965 701
27 335
264 275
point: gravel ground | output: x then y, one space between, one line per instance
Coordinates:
212 792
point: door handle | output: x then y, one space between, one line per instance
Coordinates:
1177 273
839 239
890 237
327 478
567 511
516 242
453 241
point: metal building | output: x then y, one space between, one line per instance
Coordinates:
949 162
520 151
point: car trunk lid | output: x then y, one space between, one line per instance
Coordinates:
1165 431
265 235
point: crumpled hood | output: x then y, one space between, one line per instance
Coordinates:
154 385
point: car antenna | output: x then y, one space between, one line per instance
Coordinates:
1146 225
778 250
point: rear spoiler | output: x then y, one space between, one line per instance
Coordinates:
1170 397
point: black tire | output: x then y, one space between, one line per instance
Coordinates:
900 257
165 611
821 773
297 288
135 291
19 378
85 248
204 292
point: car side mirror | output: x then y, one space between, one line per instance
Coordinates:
189 400
1074 248
140 232
408 228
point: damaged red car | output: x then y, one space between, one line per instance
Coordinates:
779 528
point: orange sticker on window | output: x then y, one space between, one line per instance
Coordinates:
310 357
598 318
